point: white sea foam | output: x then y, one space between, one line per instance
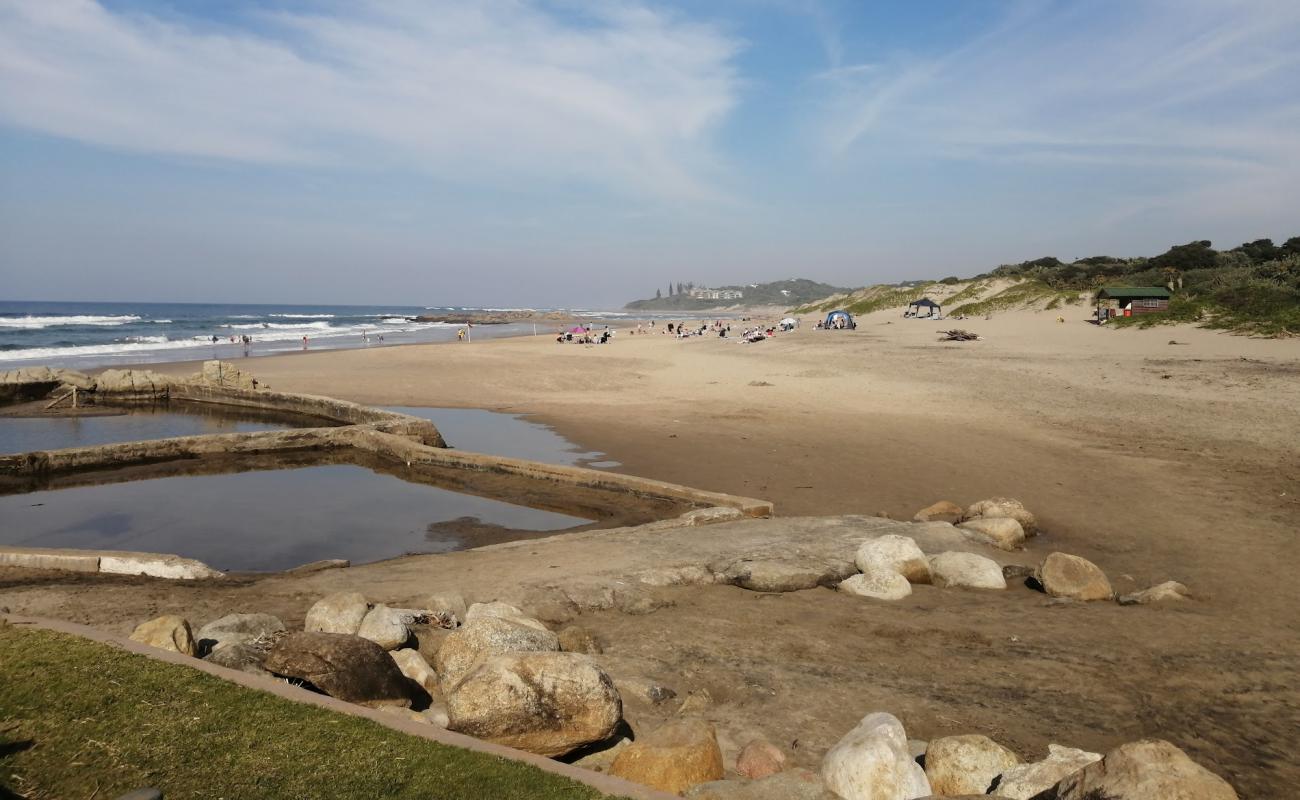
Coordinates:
303 316
56 321
160 321
288 326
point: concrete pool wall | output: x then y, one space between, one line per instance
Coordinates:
359 434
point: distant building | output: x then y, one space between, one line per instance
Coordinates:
716 294
1127 301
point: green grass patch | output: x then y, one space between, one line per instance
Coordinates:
1019 295
83 719
1266 312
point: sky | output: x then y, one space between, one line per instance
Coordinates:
562 153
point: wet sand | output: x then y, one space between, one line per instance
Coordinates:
1156 460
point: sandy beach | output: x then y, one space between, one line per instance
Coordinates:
1157 460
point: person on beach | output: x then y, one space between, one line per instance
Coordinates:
304 341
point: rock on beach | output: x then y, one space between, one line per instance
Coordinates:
341 665
483 637
957 765
168 632
1074 578
1150 769
894 553
673 757
872 762
1025 781
341 612
877 584
966 571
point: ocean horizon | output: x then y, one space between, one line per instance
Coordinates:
83 335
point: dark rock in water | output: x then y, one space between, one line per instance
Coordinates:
341 665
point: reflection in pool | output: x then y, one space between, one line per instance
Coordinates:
269 519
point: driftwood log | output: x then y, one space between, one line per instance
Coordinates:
957 335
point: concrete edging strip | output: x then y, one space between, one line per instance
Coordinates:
596 780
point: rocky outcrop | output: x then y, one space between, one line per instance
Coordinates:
1025 781
223 374
1150 769
133 382
449 604
877 584
239 656
1003 533
759 759
894 553
942 511
872 762
498 610
672 758
390 628
341 612
414 667
793 784
577 639
168 632
966 571
1160 593
957 765
545 703
1075 578
1005 507
483 637
341 665
238 629
773 576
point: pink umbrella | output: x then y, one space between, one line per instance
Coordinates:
577 330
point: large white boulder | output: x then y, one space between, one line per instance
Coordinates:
483 637
1003 533
1005 507
958 765
390 628
894 553
168 632
340 612
878 584
872 762
1150 769
544 703
413 666
1024 781
966 571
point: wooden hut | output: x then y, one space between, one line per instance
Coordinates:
1128 301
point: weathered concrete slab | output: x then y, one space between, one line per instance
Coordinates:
50 558
156 565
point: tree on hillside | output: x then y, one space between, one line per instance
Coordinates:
1184 257
659 295
1260 250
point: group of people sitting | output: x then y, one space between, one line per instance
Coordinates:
585 335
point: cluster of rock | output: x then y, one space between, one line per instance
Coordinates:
33 382
876 761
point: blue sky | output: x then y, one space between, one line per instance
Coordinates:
532 152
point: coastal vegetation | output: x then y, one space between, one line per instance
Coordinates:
1253 288
82 719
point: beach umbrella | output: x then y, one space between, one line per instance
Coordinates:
577 330
789 321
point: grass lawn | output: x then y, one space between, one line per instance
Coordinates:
79 719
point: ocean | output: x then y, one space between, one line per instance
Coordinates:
81 335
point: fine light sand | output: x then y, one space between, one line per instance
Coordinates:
1156 460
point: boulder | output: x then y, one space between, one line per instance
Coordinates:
577 639
966 571
1161 592
1075 578
1003 533
498 610
1005 507
773 576
697 700
223 374
1024 781
239 656
646 690
672 758
168 632
942 511
958 765
341 612
872 762
448 603
877 584
239 629
894 553
759 759
793 784
690 575
132 382
413 666
1150 769
545 703
482 637
341 665
387 627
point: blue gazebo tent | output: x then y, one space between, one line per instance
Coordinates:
840 319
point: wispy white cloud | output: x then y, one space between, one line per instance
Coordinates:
1201 83
619 96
